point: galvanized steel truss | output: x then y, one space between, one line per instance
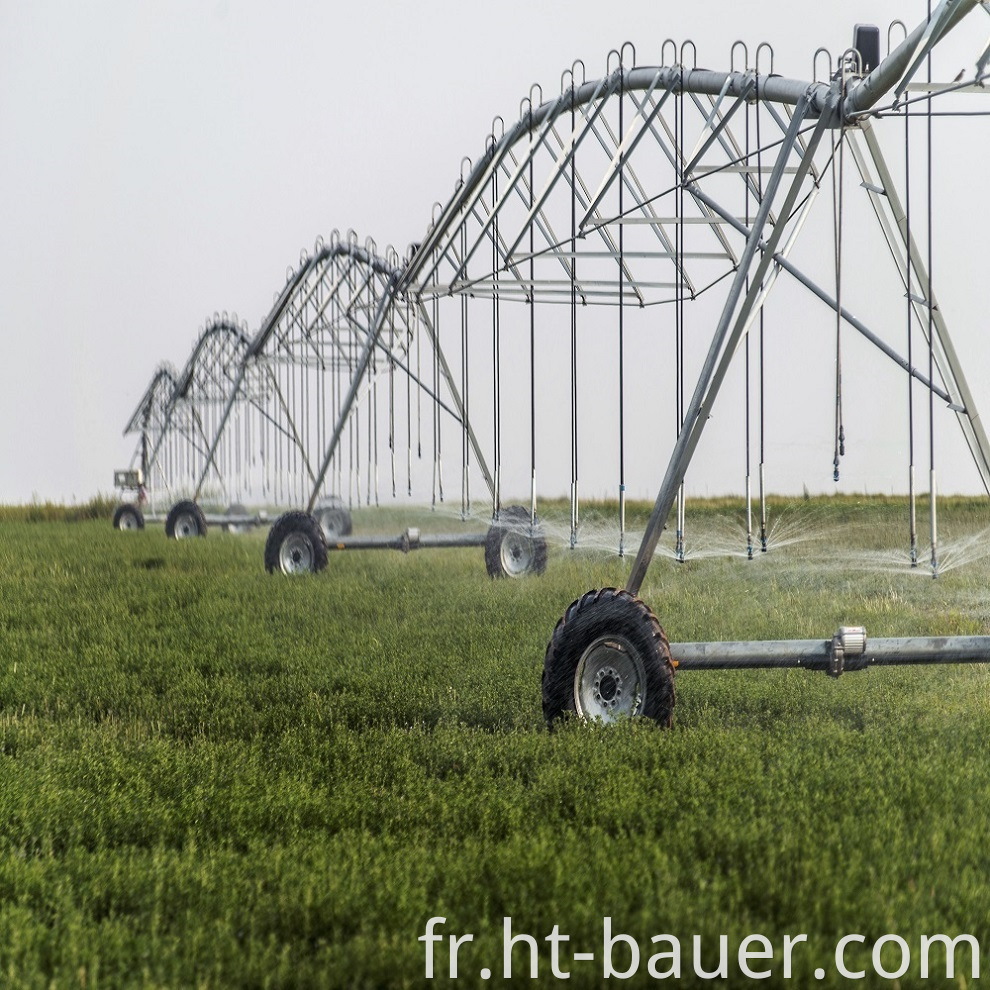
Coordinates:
641 190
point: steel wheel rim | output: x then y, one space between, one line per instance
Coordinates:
516 553
610 680
295 555
186 525
127 521
330 523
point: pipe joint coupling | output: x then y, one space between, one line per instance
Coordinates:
848 650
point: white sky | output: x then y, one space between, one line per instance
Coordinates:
162 161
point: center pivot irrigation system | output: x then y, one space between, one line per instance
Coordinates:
603 211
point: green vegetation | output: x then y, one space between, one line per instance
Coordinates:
100 507
214 777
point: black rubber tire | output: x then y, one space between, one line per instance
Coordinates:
128 516
591 621
305 536
334 518
528 550
175 530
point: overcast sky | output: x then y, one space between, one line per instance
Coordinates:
162 161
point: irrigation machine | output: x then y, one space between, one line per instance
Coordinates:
599 215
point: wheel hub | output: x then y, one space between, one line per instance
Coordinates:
330 522
517 553
185 526
609 680
296 554
608 686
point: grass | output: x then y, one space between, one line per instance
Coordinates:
99 507
213 777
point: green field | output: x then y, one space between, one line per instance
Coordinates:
212 777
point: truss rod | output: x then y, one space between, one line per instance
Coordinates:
357 378
726 337
455 396
856 324
946 359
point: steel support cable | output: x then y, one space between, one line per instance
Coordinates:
931 330
437 421
321 376
391 400
763 435
912 491
532 347
679 306
436 398
296 379
465 448
746 391
419 377
264 427
574 380
409 418
496 358
837 193
279 445
337 357
622 355
307 397
373 430
353 421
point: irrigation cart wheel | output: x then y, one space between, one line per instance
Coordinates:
295 545
608 657
236 509
128 516
185 519
334 517
514 546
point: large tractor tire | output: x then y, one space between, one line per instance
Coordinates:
334 517
295 545
128 516
608 658
514 545
185 520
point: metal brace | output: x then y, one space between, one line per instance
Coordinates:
848 642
